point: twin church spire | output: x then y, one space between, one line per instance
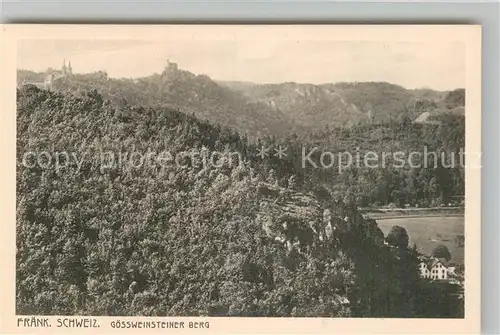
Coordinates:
66 69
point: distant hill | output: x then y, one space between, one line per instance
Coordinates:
184 91
26 75
307 104
267 109
428 94
345 104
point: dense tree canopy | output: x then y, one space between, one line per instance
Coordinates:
398 237
309 115
441 251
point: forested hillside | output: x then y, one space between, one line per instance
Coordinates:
182 90
260 238
305 116
267 109
349 104
26 75
435 176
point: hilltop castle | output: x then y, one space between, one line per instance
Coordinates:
170 70
171 65
52 75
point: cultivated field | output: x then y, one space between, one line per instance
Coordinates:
427 232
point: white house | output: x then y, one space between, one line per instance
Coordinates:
435 268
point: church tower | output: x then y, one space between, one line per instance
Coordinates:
70 70
63 69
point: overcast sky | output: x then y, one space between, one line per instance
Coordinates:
412 65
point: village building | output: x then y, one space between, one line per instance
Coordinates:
436 269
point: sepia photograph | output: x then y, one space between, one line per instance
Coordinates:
246 172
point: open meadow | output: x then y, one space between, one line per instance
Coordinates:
428 232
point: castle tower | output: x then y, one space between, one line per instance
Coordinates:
171 65
170 69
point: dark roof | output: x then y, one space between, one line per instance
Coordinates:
432 261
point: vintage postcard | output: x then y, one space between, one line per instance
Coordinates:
225 179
